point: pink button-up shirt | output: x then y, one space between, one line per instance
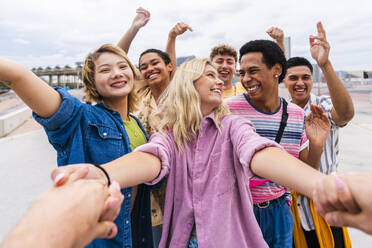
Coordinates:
208 185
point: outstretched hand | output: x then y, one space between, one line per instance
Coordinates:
70 173
142 17
344 200
179 29
317 126
319 46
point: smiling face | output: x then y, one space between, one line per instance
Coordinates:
299 82
226 66
113 76
260 82
154 70
209 87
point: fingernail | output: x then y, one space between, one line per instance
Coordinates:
339 184
112 202
58 178
110 231
333 219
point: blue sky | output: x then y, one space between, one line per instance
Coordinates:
42 33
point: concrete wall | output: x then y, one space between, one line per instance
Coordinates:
12 120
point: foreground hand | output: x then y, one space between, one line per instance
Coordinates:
317 126
346 202
70 173
319 46
66 216
179 29
141 19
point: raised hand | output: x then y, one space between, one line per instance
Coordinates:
179 29
276 33
319 46
142 17
317 126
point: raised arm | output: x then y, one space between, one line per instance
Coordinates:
278 35
178 29
343 108
38 95
140 20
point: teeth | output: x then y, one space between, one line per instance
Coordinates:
299 90
118 84
152 75
253 88
217 91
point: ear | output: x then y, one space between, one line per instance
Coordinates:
277 69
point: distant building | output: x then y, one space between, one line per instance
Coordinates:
181 60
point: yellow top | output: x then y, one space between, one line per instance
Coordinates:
237 89
322 229
135 134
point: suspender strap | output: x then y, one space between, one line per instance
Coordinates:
283 122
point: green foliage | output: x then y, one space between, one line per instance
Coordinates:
3 86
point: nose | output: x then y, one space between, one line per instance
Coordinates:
116 72
219 82
245 78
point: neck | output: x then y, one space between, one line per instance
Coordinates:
268 106
228 85
157 90
301 104
120 105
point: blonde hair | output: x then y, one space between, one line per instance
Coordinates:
89 70
179 105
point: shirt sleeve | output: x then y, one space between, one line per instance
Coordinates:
325 103
246 141
159 146
61 125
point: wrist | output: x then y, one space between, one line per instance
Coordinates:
103 174
325 66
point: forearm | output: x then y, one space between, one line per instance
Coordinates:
340 97
127 39
171 50
284 169
38 95
314 155
280 43
133 169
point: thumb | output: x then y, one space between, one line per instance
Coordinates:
105 230
340 218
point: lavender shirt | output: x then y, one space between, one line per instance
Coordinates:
208 185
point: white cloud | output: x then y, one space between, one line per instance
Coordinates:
22 41
79 26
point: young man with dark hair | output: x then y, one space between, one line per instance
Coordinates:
262 66
340 110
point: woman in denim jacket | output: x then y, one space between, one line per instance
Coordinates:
96 134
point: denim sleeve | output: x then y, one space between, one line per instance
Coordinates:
62 124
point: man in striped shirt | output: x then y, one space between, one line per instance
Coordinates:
339 109
262 67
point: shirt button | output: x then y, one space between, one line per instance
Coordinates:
104 134
143 240
129 195
127 222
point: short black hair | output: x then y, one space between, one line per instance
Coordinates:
299 61
272 54
165 57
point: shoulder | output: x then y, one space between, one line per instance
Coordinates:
235 121
295 109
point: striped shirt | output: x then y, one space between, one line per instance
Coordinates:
329 160
294 139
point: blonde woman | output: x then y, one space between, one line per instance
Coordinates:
82 133
209 157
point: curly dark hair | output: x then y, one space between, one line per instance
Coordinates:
299 61
165 57
272 54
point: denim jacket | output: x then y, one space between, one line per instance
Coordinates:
81 133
